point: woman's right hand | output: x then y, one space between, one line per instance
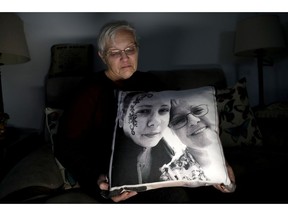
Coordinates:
104 186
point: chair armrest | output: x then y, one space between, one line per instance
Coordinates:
35 176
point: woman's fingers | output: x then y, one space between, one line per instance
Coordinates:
125 195
104 186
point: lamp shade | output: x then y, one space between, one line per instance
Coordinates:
13 46
256 33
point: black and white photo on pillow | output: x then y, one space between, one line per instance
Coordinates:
165 139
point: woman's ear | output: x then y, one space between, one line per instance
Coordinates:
102 57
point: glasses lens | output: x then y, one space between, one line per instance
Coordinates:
178 122
200 110
130 50
114 54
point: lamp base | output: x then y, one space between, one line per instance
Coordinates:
3 124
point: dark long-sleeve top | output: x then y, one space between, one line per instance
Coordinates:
83 144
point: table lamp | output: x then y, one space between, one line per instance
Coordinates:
13 50
260 37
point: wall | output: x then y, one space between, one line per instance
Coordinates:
167 40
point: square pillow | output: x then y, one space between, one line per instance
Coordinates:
166 139
238 126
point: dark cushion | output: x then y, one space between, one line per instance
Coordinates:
35 176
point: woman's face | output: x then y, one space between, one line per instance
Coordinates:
190 123
146 118
121 55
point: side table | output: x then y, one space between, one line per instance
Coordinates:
17 143
272 121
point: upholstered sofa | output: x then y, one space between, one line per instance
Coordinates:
259 168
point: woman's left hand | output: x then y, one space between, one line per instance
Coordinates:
231 175
104 186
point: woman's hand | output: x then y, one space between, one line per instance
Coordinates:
104 186
231 175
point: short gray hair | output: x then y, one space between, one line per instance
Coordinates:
109 30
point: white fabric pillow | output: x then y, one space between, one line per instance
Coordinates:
166 139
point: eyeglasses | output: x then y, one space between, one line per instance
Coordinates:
180 121
116 53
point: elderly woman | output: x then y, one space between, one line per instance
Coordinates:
86 130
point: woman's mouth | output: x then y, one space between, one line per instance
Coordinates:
198 130
151 135
126 66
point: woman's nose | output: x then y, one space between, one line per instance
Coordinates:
124 55
192 120
154 122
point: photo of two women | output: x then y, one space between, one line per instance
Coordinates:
167 138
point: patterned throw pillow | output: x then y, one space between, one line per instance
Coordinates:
53 116
52 122
237 123
167 139
71 59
